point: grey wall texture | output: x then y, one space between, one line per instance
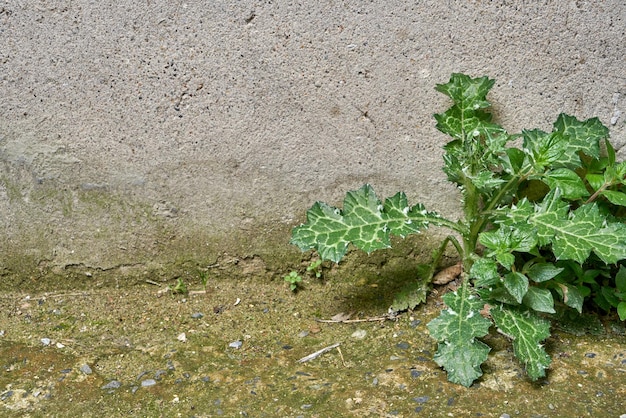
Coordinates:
136 134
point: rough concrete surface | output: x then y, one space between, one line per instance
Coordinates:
139 133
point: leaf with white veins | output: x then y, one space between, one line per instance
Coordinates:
527 330
364 222
456 329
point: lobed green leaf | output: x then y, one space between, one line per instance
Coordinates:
457 328
364 221
580 136
527 331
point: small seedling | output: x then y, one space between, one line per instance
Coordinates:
294 280
204 278
316 268
179 288
543 230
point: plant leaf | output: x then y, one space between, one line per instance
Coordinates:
617 198
620 280
540 300
527 330
543 149
575 237
456 329
410 296
542 272
580 136
621 311
516 284
484 271
468 93
571 185
595 180
364 222
572 297
504 240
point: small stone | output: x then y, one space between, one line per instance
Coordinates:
6 395
86 369
236 344
403 345
197 315
148 382
46 341
590 355
415 373
306 406
359 334
182 337
113 384
421 399
303 334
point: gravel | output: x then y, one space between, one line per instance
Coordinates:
113 384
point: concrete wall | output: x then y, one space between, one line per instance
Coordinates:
137 135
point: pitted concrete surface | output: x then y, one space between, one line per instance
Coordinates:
128 126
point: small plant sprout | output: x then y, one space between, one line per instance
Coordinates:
179 288
316 268
204 279
542 230
294 280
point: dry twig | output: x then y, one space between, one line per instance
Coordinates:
318 353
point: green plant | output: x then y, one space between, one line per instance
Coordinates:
180 287
316 268
204 279
294 280
532 213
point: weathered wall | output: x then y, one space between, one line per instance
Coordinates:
138 134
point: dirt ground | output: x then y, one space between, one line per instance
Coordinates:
232 349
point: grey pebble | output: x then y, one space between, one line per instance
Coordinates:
46 341
113 384
421 399
403 345
148 382
197 315
235 344
86 369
